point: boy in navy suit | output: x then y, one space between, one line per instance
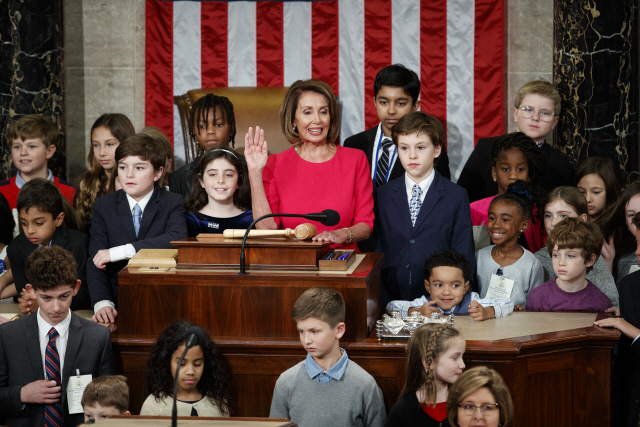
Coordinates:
421 212
40 353
140 216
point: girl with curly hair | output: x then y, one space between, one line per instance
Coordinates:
433 364
203 380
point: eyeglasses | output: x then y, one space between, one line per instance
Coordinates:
544 115
486 409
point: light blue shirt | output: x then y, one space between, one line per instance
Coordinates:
20 182
324 377
502 306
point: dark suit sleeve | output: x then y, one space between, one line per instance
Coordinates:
107 364
98 280
10 403
443 165
175 229
630 305
473 177
462 236
178 184
80 247
17 262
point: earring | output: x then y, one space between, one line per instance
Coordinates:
295 128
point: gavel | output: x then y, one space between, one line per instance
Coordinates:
302 232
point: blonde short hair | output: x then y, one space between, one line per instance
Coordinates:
542 88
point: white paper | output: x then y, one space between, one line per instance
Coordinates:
634 268
75 389
499 287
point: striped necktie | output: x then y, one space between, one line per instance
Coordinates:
415 203
383 162
137 216
53 413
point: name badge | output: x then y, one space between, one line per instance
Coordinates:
499 287
75 390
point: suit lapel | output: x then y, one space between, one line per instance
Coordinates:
59 236
150 212
124 211
370 135
74 340
31 334
401 202
430 200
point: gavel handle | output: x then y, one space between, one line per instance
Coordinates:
239 234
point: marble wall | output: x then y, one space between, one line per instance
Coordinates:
31 70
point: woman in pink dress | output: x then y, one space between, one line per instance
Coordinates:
313 175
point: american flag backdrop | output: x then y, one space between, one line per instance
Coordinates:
455 46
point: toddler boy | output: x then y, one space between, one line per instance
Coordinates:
327 389
105 397
447 284
420 213
41 214
574 247
140 216
39 353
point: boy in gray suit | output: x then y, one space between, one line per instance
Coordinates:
39 353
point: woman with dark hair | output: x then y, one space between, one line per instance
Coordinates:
316 173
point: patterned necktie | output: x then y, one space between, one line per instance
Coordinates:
137 216
53 413
414 205
383 162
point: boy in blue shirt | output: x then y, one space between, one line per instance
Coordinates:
420 212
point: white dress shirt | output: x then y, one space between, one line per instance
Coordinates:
61 342
424 186
377 152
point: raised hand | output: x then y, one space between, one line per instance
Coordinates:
255 149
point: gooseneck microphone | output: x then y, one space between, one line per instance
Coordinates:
193 337
327 217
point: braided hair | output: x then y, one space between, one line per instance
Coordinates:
428 342
536 159
200 113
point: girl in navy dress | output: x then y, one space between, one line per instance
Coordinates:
220 194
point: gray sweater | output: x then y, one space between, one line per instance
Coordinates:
599 275
527 273
354 400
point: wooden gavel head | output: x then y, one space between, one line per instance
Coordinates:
306 231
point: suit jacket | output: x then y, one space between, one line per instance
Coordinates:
74 241
366 142
476 175
88 350
180 180
112 225
444 222
629 355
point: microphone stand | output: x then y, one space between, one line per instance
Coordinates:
246 234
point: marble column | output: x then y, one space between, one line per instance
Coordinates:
31 71
596 71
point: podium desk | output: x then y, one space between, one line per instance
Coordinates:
144 421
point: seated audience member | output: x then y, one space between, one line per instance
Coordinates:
105 397
480 398
515 157
220 194
41 214
564 202
54 344
315 174
157 134
434 362
107 132
203 379
140 216
395 93
596 179
421 212
629 349
506 268
574 247
536 113
7 225
212 124
326 389
619 232
447 284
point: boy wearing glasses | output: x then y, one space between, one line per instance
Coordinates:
536 113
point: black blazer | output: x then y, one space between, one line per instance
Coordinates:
88 350
74 241
365 141
629 355
476 175
112 225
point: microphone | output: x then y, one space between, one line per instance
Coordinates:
327 217
193 337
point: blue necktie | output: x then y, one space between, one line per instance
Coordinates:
137 216
414 205
383 163
53 413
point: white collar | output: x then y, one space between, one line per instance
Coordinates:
44 327
424 184
143 202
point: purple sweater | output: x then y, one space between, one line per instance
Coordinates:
549 297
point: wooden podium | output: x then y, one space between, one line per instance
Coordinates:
144 421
